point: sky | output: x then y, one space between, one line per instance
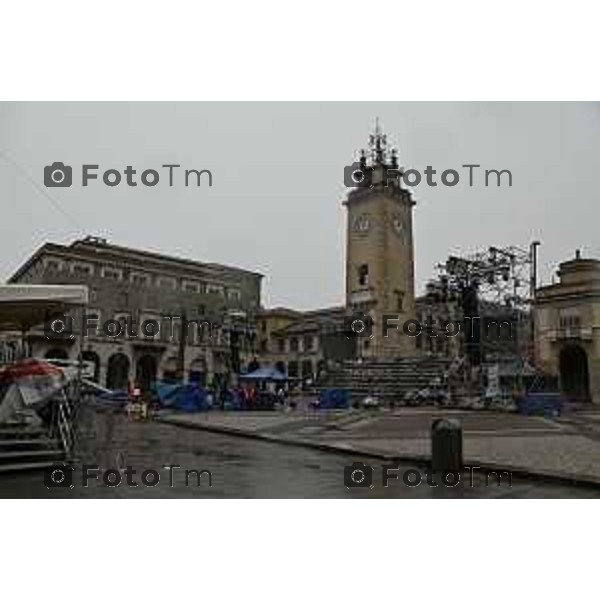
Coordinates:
275 205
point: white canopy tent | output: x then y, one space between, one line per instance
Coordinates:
24 306
29 383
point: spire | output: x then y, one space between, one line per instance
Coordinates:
378 145
381 161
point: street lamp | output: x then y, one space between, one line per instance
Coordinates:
240 330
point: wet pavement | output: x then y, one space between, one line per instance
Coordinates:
227 466
558 449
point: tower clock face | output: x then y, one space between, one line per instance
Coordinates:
361 223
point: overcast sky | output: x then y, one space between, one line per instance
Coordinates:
276 201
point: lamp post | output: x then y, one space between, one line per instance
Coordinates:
533 252
181 348
241 335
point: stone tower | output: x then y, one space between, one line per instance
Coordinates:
379 257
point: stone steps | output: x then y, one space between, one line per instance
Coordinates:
23 448
389 379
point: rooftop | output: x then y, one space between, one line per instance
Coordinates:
99 246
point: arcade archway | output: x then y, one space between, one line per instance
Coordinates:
574 373
92 357
145 372
117 372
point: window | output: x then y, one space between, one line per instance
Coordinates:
234 295
139 278
293 369
215 289
174 331
361 223
399 300
112 273
570 321
307 369
53 264
191 286
169 283
203 332
308 343
294 344
363 275
82 269
281 345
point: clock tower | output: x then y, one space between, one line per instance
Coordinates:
379 254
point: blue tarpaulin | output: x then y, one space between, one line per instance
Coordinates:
187 397
542 403
333 398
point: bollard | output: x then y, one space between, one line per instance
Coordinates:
446 445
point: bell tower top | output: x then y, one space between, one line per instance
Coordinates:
377 167
378 146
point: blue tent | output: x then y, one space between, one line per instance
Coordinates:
541 403
333 398
265 374
187 397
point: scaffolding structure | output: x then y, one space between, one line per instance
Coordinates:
498 279
503 276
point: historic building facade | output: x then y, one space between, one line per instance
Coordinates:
567 328
303 344
215 304
132 285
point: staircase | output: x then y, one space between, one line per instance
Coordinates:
24 447
388 379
